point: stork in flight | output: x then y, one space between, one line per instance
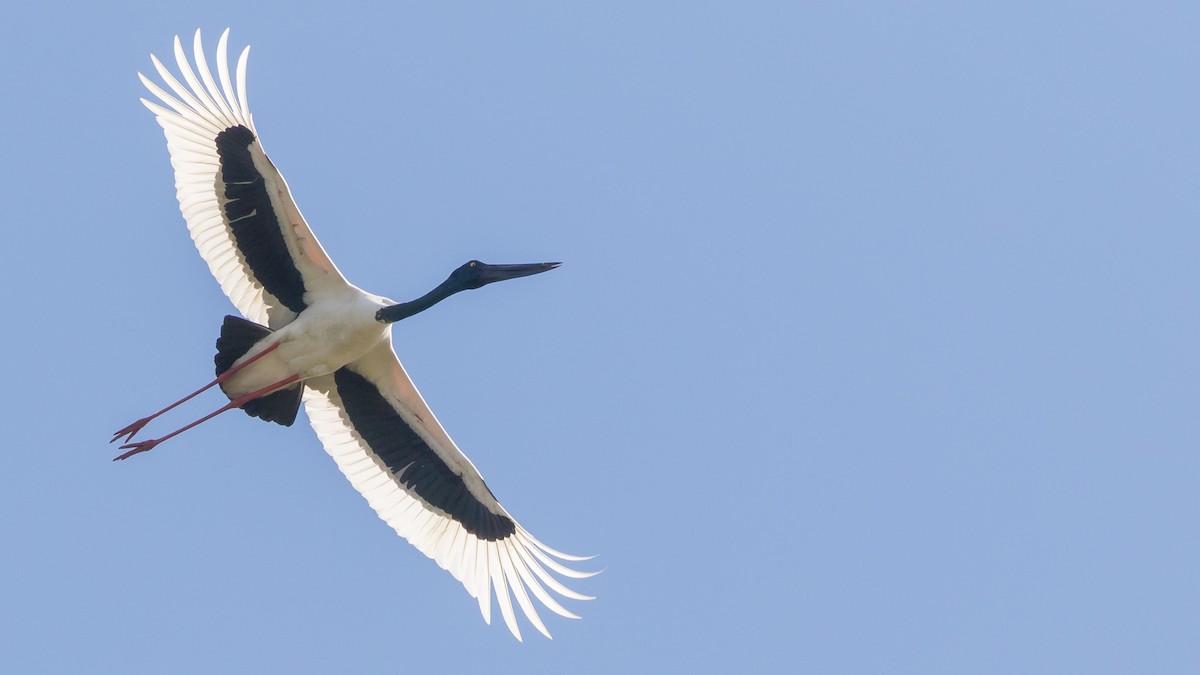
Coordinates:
311 335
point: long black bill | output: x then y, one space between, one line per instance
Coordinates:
492 273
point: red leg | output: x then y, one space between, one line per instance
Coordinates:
129 431
143 446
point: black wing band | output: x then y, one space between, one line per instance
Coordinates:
254 222
411 459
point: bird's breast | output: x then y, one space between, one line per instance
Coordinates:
325 337
329 338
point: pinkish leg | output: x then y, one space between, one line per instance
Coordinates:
143 446
129 431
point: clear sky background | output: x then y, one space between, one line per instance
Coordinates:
874 348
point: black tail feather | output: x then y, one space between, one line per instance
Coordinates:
238 336
280 407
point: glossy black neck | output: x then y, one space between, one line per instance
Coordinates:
404 310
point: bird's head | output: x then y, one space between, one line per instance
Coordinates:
475 274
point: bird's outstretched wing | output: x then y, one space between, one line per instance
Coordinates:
237 205
378 429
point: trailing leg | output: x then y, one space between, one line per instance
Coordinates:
128 432
144 446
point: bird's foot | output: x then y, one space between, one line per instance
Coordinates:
129 431
135 448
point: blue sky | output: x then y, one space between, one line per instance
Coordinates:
873 350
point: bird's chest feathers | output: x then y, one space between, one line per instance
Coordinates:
324 339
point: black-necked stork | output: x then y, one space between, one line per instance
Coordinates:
311 335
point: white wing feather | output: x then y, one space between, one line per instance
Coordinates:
514 566
193 115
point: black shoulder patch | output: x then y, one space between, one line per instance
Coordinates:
255 225
419 468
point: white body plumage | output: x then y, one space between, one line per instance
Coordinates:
339 329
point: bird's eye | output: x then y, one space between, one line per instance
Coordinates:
472 263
